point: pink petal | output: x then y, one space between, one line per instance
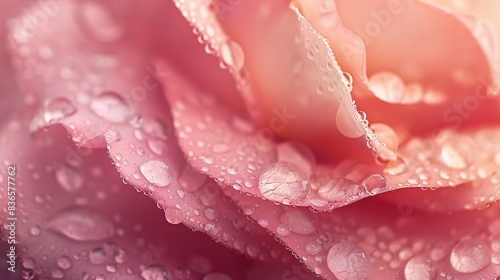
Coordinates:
70 230
103 99
381 241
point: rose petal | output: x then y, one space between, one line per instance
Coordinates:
308 72
387 243
93 230
114 101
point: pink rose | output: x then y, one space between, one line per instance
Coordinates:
248 132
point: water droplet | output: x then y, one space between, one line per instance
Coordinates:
81 224
451 157
64 262
298 222
216 276
174 215
98 256
35 230
183 273
337 189
388 87
220 148
284 182
232 54
57 109
495 258
210 213
419 268
347 121
313 248
157 172
111 107
57 273
348 261
68 178
199 264
470 256
283 230
99 23
374 184
155 272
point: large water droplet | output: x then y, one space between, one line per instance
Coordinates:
174 215
68 178
298 222
470 256
99 23
420 268
337 189
111 107
451 157
81 224
232 54
157 172
284 182
348 261
388 87
216 276
155 272
374 184
347 121
57 109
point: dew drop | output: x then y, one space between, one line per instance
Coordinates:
283 230
495 258
111 107
374 184
284 182
451 157
57 109
348 261
220 148
232 54
81 224
388 87
336 189
216 276
470 256
98 256
298 222
99 23
155 272
347 121
68 178
157 172
174 215
419 268
313 248
35 231
64 262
